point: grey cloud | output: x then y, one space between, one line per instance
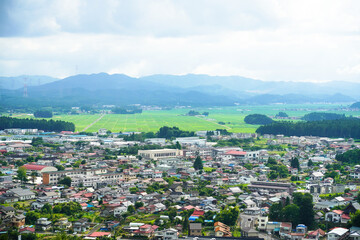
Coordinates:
136 17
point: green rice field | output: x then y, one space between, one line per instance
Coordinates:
233 117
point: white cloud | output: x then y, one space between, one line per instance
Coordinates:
269 39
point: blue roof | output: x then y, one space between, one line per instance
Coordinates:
192 218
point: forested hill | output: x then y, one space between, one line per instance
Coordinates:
350 157
41 124
345 128
319 116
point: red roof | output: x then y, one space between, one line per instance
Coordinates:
338 212
237 153
199 213
34 167
316 232
27 229
99 234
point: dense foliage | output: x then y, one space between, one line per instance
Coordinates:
173 132
277 169
319 116
350 157
46 125
301 211
228 215
294 163
349 127
259 119
43 114
198 163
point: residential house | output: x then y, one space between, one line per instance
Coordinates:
222 230
166 234
338 233
81 225
195 229
43 224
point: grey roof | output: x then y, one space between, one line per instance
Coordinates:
195 226
22 192
356 205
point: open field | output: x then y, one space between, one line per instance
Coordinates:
233 117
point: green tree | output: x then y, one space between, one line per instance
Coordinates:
31 217
248 166
139 205
198 165
305 203
21 174
275 212
60 167
355 219
273 175
358 197
131 209
228 215
46 209
33 176
178 145
186 224
310 163
291 213
271 161
65 181
295 163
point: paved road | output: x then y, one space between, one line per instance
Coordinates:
94 229
93 123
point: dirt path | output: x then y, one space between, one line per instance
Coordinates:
227 127
93 123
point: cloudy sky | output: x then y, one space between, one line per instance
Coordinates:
315 40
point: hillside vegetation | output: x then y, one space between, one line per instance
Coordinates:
258 119
317 116
345 128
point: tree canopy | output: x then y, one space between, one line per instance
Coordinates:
350 156
41 124
198 163
258 119
43 114
319 116
348 127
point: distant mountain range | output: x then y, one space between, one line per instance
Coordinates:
167 90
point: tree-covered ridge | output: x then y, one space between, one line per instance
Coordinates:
346 128
257 119
43 114
355 105
350 157
319 116
41 124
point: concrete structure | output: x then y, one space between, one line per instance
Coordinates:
271 187
39 168
157 141
159 153
191 141
86 177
